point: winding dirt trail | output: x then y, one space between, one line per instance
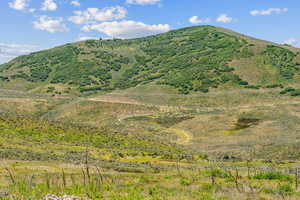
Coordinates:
164 108
184 137
125 100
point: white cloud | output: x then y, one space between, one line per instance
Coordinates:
10 51
197 20
18 4
5 59
51 25
224 18
127 29
49 5
15 46
83 38
291 41
94 14
268 11
142 2
14 52
75 3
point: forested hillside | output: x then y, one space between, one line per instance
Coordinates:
195 59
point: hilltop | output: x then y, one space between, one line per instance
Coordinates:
189 60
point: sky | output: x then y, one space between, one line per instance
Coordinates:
33 25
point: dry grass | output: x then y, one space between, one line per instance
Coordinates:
211 128
201 181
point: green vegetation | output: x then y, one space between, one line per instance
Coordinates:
179 182
243 123
18 135
196 113
274 176
4 78
283 59
195 59
165 120
291 91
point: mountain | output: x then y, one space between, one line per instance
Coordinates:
190 60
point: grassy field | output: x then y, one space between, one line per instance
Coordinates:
140 146
217 123
201 180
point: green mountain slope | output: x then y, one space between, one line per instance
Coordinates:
195 59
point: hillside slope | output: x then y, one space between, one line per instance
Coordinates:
190 60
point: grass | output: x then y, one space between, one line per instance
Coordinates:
41 157
50 158
223 116
31 139
274 176
192 181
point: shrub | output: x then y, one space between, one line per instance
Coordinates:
281 58
185 182
275 86
287 90
244 122
285 189
273 176
217 173
295 93
4 78
253 87
50 89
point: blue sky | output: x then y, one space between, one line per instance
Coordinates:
31 25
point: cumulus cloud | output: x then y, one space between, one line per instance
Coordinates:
224 18
9 51
94 14
197 20
75 3
142 2
32 10
127 29
83 38
18 4
49 5
16 46
49 24
291 41
269 11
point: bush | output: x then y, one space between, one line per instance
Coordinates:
275 86
273 176
285 189
281 58
217 173
185 182
50 89
256 87
295 93
4 78
287 90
